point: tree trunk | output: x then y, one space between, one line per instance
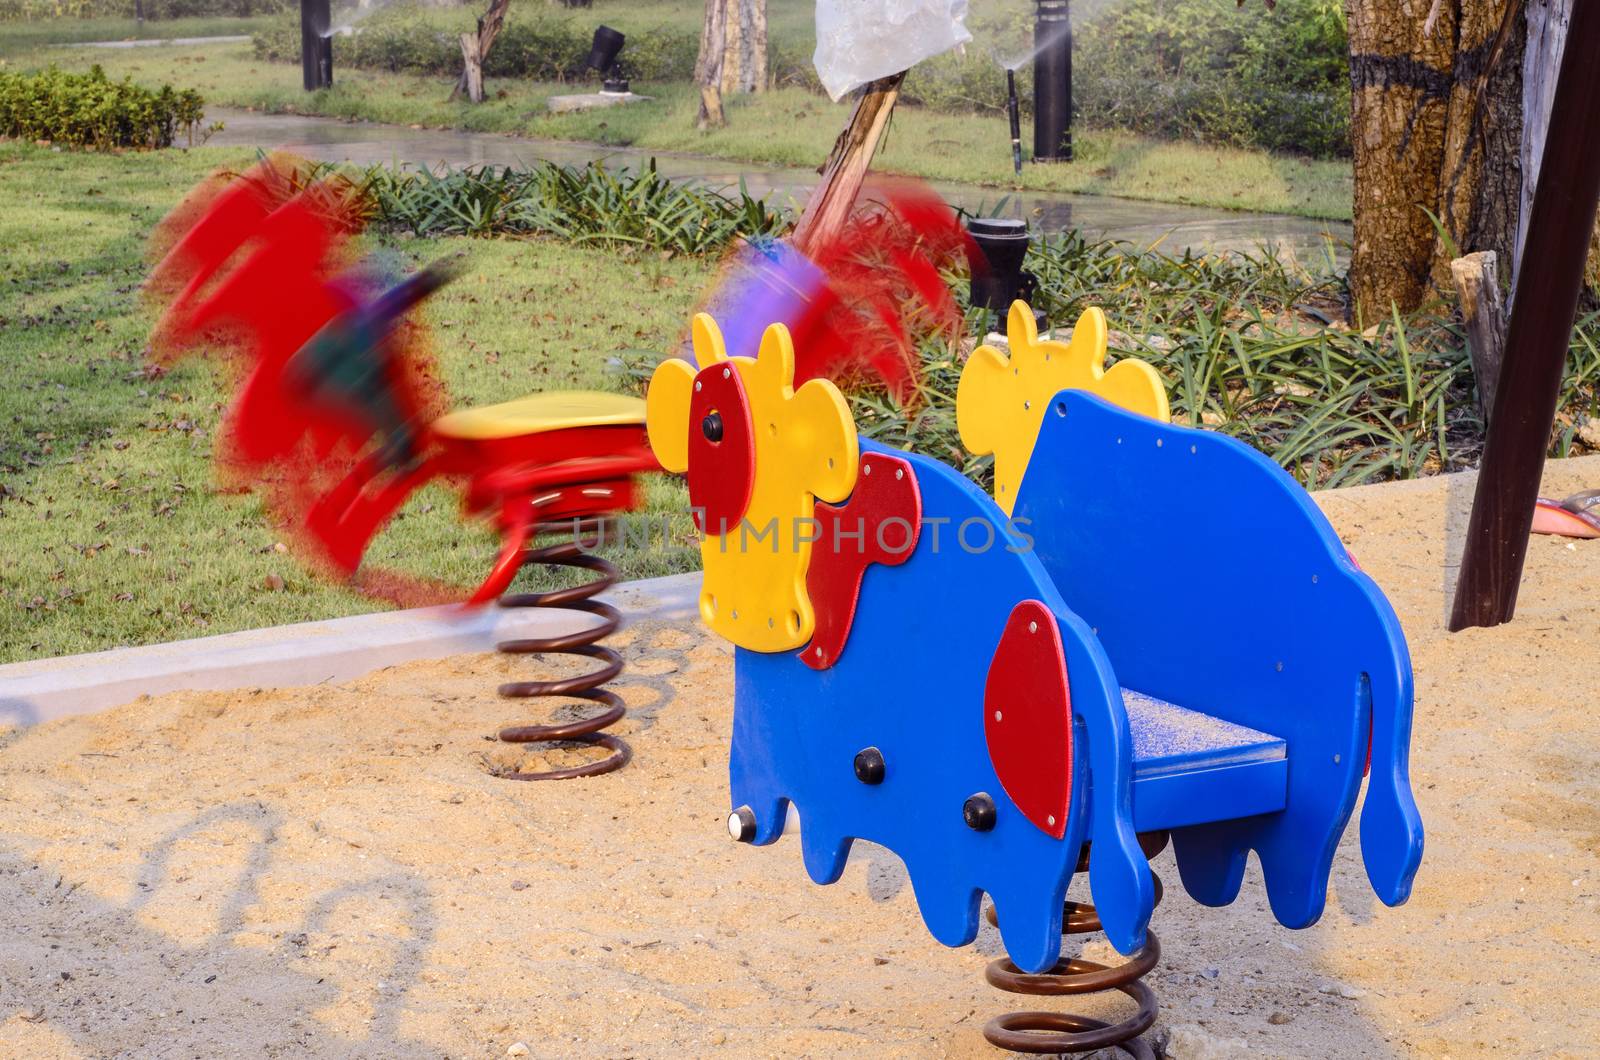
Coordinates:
1449 111
470 84
744 63
475 49
1400 79
733 55
708 67
835 195
733 47
755 37
1481 175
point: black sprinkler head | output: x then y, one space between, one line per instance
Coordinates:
607 45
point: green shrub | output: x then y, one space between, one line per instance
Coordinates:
1195 69
539 47
88 110
624 208
39 10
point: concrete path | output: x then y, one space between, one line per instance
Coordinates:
152 42
1177 228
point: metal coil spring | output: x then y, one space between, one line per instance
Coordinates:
574 553
1057 1032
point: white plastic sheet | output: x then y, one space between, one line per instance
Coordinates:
862 40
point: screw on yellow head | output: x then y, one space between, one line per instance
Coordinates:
754 592
1000 401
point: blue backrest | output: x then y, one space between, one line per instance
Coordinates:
1213 581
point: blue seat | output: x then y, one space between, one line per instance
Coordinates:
1190 768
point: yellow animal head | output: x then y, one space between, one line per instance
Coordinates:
758 453
1000 401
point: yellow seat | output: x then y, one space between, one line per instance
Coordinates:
539 413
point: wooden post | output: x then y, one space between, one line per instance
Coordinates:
1542 311
1477 284
835 195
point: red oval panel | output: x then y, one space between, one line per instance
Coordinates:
722 471
1027 717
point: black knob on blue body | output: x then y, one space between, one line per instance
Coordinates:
869 766
979 812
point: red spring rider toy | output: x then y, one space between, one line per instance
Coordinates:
336 420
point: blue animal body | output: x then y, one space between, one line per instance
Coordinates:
1177 563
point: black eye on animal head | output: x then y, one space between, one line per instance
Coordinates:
711 426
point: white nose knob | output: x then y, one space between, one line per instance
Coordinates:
742 824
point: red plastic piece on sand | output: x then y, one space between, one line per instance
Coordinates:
879 524
1027 717
722 450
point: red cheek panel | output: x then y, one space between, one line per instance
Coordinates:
722 450
1027 717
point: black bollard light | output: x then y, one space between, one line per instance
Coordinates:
1004 243
1052 82
603 57
316 44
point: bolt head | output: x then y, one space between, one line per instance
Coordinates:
979 812
869 765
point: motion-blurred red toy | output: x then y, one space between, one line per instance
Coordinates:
337 417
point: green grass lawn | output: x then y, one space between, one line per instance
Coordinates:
18 40
785 127
114 531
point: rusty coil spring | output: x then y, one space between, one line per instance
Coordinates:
574 553
1058 1032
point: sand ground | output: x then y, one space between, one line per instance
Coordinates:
333 872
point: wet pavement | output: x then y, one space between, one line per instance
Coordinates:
1174 227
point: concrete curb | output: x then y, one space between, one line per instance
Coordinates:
306 653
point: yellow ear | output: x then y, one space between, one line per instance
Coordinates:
817 431
1021 328
823 432
775 359
1089 337
1131 384
1136 386
709 348
666 412
978 397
